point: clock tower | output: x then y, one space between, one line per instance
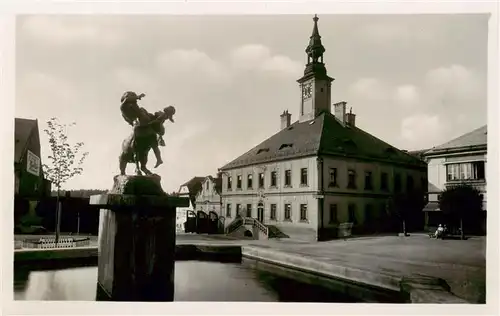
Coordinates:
315 85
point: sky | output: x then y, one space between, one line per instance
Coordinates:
414 81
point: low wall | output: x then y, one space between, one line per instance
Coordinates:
182 252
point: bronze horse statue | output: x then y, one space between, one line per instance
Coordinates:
136 147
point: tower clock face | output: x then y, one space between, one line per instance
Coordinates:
307 90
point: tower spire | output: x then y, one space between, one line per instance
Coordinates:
315 49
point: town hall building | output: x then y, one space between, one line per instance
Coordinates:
319 171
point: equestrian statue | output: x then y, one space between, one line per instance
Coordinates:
148 131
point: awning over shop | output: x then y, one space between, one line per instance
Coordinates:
432 207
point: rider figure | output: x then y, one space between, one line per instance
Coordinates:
138 117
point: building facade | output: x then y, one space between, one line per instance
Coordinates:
461 160
321 170
30 185
208 199
189 189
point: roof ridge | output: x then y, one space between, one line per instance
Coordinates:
465 135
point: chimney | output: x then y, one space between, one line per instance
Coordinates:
339 110
351 118
285 119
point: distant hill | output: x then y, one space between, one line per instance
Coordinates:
84 193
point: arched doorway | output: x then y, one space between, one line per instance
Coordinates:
190 224
202 222
213 223
260 212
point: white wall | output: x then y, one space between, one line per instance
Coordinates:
295 195
208 200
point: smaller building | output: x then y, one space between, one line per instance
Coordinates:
461 160
30 184
208 199
189 189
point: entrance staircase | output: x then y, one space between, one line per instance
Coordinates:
240 226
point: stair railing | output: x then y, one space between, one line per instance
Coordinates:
234 225
255 223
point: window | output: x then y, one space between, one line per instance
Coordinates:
273 211
333 213
285 146
228 210
352 213
250 182
303 176
368 180
249 210
238 209
303 212
238 182
384 181
368 213
288 212
397 183
261 180
229 183
465 171
333 177
288 178
410 185
351 179
208 185
273 178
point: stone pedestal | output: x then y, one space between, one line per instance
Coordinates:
136 240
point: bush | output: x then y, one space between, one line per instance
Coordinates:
457 201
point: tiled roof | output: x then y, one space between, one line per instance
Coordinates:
324 135
217 182
194 186
193 181
22 132
477 137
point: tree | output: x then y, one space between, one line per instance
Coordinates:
457 201
65 161
405 206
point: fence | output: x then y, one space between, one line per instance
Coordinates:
49 243
345 230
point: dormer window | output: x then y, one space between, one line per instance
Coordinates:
285 146
390 150
349 142
262 150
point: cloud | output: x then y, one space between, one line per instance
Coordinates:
53 95
406 33
132 79
369 89
407 95
423 131
192 63
59 30
453 81
256 57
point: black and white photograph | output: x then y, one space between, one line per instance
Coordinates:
313 156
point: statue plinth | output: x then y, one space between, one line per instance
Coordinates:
136 240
